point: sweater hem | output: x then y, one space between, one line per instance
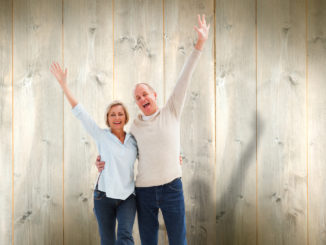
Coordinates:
158 182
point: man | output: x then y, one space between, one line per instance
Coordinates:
157 132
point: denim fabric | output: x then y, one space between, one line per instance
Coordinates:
107 211
169 198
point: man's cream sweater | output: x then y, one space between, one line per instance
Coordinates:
158 138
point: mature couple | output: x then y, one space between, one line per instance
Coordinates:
155 139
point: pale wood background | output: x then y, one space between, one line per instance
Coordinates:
253 128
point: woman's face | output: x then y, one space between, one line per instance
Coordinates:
117 118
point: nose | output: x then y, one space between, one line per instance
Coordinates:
116 117
141 100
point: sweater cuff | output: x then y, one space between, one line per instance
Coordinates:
197 52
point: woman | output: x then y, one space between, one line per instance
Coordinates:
114 197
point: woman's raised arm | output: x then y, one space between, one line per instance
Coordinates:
61 77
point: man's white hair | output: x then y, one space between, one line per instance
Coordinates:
145 84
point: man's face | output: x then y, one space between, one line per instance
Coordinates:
145 99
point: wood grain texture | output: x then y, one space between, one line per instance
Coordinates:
236 122
317 120
88 56
282 173
6 122
198 125
138 49
37 124
138 56
149 41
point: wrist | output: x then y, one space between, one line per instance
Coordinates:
64 85
200 45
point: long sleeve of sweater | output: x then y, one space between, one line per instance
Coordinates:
177 99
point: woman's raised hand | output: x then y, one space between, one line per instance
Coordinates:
59 74
202 30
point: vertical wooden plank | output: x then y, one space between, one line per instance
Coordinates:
317 120
37 123
236 122
282 182
138 56
138 48
88 56
198 119
6 122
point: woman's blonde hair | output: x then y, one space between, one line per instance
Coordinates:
113 104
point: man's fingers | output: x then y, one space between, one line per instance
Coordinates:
199 20
100 167
204 20
100 164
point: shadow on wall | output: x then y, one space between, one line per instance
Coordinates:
234 224
200 223
202 228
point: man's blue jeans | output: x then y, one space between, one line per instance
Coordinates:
107 211
169 198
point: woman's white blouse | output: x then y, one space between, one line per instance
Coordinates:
117 178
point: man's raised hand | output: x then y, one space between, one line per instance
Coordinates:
202 30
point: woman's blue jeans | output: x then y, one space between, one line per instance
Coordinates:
107 211
169 198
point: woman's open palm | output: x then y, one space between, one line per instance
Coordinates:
59 74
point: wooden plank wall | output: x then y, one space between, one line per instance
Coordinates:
6 122
253 128
197 122
236 122
88 55
316 75
281 103
38 118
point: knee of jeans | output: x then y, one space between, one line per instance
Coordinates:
124 233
